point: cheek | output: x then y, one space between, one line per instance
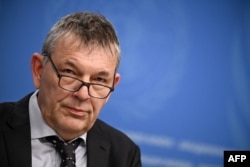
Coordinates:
50 92
49 84
97 106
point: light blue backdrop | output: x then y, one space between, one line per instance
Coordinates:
184 95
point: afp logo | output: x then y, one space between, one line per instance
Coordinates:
236 158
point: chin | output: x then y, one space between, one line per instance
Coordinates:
76 126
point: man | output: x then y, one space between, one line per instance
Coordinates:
74 76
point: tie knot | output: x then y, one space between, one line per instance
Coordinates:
66 150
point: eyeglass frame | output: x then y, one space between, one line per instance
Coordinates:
87 84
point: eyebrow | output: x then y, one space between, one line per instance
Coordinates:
102 73
67 62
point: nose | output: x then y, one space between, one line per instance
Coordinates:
82 93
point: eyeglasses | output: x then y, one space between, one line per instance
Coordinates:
73 85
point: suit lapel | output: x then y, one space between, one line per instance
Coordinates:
17 136
98 149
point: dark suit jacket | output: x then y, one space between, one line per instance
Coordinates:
106 146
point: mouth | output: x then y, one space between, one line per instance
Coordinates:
77 112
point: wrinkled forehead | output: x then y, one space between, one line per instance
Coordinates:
71 41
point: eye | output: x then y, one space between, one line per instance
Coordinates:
67 71
100 80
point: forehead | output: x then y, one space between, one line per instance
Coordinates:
70 46
71 41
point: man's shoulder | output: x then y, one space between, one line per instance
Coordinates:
110 133
7 109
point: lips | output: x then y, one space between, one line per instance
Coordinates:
77 112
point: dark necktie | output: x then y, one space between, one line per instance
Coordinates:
65 150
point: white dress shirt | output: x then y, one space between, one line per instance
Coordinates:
43 153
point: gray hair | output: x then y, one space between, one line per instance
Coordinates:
91 28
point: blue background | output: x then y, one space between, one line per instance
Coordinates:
184 95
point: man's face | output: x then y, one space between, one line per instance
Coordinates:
71 114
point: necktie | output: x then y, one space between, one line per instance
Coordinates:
65 150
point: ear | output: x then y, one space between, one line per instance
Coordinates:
117 79
37 68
